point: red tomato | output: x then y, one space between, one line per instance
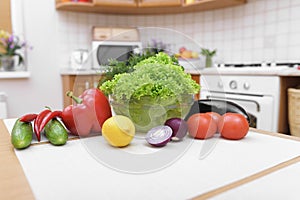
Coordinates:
215 116
233 126
201 126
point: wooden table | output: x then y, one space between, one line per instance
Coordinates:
15 185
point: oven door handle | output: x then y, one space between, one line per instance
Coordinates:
236 99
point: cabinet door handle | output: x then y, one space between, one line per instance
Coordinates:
95 84
87 85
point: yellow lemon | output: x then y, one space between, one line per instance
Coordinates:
118 130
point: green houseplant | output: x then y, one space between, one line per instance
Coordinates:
208 56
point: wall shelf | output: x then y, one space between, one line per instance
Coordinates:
113 8
14 75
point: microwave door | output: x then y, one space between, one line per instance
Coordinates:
105 53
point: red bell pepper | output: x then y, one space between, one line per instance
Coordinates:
88 113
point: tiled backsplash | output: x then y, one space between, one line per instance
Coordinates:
261 30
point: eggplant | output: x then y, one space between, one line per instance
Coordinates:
218 106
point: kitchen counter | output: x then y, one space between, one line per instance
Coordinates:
67 71
257 71
44 171
290 72
193 71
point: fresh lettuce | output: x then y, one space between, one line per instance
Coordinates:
156 90
156 77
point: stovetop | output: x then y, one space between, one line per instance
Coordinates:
269 69
258 65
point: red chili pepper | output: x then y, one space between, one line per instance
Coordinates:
88 113
38 121
28 117
48 117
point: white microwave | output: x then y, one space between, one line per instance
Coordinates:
113 43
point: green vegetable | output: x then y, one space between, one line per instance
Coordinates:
156 90
56 132
156 77
21 135
118 67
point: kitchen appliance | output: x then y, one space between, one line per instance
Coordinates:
254 87
79 59
111 43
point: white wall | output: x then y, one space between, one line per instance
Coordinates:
261 30
43 88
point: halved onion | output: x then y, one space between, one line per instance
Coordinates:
179 128
159 136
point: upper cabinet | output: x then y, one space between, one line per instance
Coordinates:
5 16
158 3
116 3
144 6
137 3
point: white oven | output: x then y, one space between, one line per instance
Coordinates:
258 95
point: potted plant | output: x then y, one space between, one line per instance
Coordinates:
9 49
208 56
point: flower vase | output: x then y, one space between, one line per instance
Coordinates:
7 63
208 61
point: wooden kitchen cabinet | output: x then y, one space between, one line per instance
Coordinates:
196 77
5 16
114 3
136 7
285 83
138 3
158 3
78 84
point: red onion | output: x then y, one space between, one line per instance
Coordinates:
179 128
159 136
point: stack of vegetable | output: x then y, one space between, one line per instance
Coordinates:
157 89
156 97
86 116
46 121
